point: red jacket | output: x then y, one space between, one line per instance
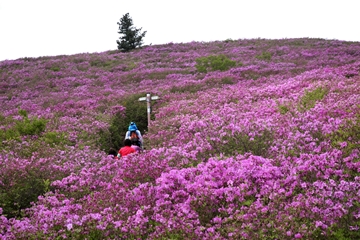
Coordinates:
126 150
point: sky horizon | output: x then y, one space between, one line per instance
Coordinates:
44 28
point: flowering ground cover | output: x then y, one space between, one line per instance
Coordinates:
251 139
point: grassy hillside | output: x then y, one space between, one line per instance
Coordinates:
251 139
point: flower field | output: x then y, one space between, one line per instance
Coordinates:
251 139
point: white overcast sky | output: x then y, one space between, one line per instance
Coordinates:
33 28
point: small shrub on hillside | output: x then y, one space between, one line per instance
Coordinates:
241 143
214 63
17 194
265 56
22 127
190 88
347 137
283 109
53 67
229 40
227 80
8 134
250 74
100 63
55 139
23 131
309 99
30 126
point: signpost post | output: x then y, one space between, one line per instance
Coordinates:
148 99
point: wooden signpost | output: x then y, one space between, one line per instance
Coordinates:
148 99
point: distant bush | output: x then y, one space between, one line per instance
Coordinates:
266 56
241 143
17 194
347 138
22 127
55 139
136 111
108 65
190 88
309 99
227 80
53 67
229 40
24 130
214 63
28 126
283 109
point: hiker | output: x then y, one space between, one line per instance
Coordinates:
127 149
136 147
134 135
113 153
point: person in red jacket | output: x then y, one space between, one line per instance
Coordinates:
127 149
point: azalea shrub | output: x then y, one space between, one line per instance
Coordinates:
265 56
226 157
22 127
310 97
213 63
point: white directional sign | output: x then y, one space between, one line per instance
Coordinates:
148 99
152 98
155 97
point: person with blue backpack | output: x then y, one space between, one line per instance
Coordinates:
134 135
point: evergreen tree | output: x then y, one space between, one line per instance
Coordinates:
131 36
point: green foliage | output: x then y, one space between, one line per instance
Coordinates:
131 37
347 137
23 113
55 69
55 139
341 230
309 99
229 40
265 56
15 130
214 63
205 208
250 74
105 64
227 80
22 127
283 109
137 77
30 127
190 88
18 195
241 143
297 42
8 135
196 87
136 112
93 234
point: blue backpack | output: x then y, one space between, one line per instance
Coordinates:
132 127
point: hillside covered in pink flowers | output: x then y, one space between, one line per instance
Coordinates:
250 139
